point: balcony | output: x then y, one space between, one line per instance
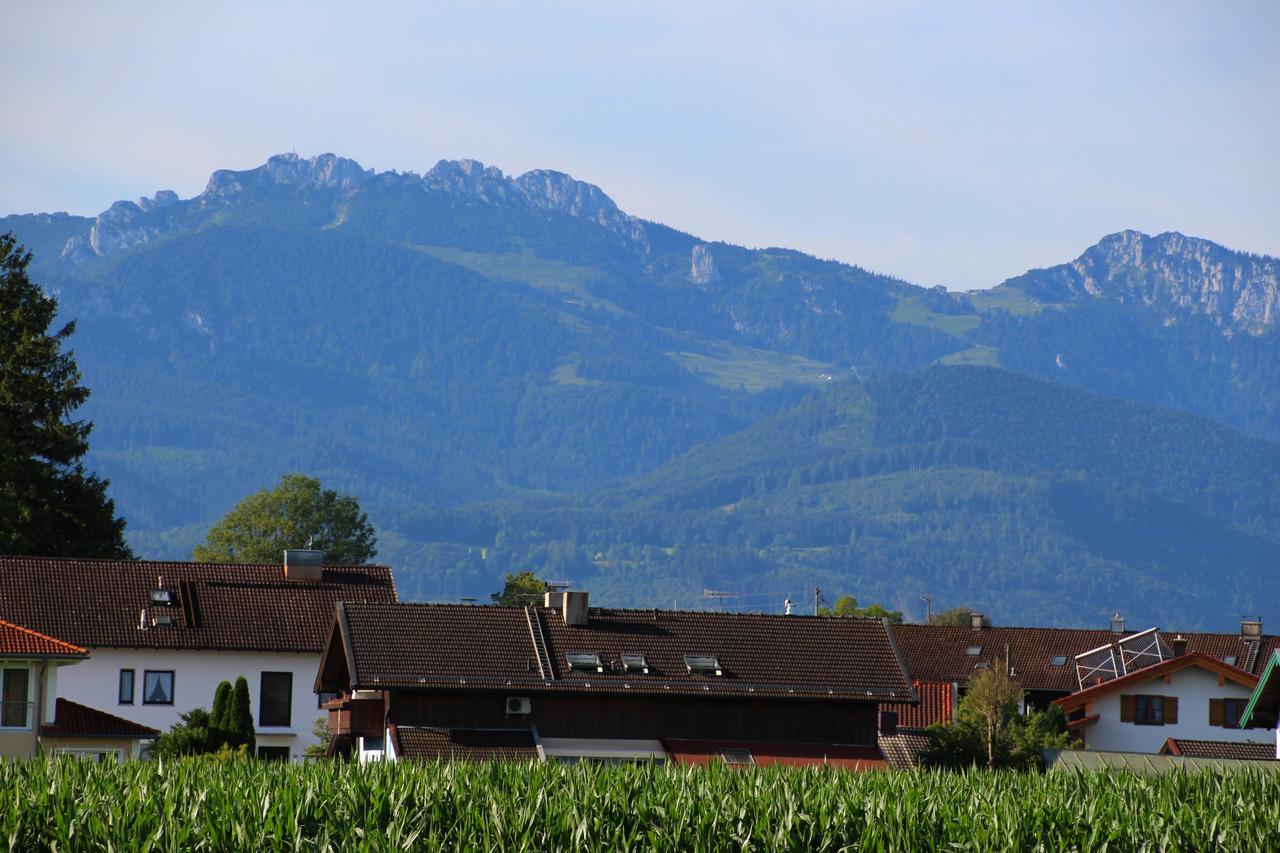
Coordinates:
357 717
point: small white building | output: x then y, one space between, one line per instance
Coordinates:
162 635
1190 696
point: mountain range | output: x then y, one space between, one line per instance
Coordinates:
511 372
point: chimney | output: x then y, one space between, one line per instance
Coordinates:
1117 623
1251 629
575 607
976 621
301 564
553 599
1179 646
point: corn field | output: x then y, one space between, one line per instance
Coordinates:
194 804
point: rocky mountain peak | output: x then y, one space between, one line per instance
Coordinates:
324 170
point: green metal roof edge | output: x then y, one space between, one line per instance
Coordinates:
1267 673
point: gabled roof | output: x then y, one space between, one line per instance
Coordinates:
489 647
98 603
1263 710
936 706
940 652
1233 749
1191 659
71 719
17 641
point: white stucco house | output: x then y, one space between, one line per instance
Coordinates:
161 635
1262 714
1190 696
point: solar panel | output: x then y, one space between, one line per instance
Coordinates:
584 662
703 664
1142 650
1096 666
634 663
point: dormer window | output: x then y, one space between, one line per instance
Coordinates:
703 665
161 596
584 662
635 663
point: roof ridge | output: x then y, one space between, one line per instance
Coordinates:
7 624
127 561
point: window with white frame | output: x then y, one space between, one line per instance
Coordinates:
16 689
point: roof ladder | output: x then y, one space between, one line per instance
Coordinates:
1252 658
534 619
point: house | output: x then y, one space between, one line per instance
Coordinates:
162 635
1263 710
1189 696
1043 660
570 682
32 718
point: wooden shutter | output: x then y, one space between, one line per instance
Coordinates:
1128 709
1170 710
1217 712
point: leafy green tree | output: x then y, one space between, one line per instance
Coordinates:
320 730
49 505
519 589
192 735
259 528
220 719
242 717
846 607
957 616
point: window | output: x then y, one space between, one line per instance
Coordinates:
1229 660
973 651
15 698
275 700
584 662
157 687
161 596
635 663
737 757
702 665
1149 710
1226 712
97 756
1058 660
163 620
273 753
126 687
324 697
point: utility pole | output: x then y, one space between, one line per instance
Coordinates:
928 608
817 594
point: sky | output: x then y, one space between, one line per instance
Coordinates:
952 143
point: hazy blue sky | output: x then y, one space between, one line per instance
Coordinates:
949 143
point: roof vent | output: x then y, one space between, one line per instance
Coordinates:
553 599
575 607
1179 646
1117 623
303 564
1251 628
976 621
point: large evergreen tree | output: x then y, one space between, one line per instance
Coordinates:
49 505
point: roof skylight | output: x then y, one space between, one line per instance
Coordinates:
703 665
161 596
1058 660
584 662
973 651
635 663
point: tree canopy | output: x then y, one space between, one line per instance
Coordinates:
519 589
295 514
846 607
49 505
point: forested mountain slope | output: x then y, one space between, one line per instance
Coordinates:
1036 502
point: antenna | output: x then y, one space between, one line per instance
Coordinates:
928 608
713 593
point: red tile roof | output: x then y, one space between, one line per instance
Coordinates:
436 744
940 652
1081 697
98 603
902 750
936 706
17 641
71 719
443 645
1238 750
845 757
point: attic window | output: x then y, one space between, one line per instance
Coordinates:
1229 660
703 665
635 663
737 757
1058 660
584 662
161 596
973 651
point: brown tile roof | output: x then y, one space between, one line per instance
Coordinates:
1239 750
443 645
939 652
902 749
1190 659
936 706
71 719
433 744
17 641
98 603
763 754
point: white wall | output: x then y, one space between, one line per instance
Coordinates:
1194 687
96 683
